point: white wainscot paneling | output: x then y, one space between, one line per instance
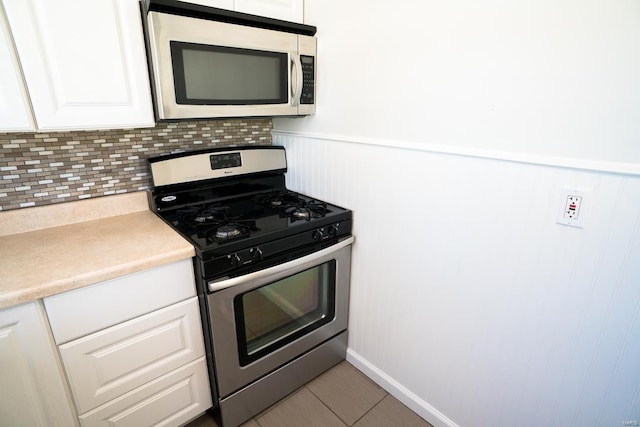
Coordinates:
469 302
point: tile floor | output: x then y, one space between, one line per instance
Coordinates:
342 396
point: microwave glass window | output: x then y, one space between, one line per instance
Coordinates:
218 75
271 316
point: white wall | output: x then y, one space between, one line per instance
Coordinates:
550 77
469 302
475 307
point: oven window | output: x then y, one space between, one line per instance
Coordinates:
276 314
218 75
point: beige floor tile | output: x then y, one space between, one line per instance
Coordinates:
391 412
301 409
347 392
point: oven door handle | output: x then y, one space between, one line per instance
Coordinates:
234 281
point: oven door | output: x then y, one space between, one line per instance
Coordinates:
262 320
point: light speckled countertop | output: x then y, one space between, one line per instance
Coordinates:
51 249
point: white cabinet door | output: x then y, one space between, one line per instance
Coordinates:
32 390
288 10
15 111
114 361
83 61
222 4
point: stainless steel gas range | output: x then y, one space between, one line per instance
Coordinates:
272 271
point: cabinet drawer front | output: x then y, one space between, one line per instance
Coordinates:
86 310
112 362
168 401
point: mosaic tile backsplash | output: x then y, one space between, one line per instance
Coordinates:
44 168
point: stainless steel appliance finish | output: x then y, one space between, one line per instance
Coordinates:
272 271
232 375
242 405
203 68
198 167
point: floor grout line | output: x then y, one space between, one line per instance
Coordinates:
372 408
327 406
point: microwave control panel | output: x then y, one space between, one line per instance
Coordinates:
308 79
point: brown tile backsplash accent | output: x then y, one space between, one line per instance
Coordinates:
43 168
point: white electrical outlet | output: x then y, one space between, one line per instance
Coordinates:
573 207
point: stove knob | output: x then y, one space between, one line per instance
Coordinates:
333 231
318 234
234 260
256 254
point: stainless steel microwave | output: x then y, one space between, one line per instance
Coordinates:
207 62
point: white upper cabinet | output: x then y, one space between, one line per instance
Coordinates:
222 4
84 62
15 112
287 10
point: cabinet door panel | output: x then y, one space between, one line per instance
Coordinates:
83 61
32 391
15 112
222 4
106 364
170 400
288 10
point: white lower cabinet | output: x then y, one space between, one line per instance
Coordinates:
170 400
32 385
109 363
144 366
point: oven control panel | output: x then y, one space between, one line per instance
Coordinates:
247 256
324 233
265 254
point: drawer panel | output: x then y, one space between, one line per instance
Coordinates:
170 400
86 310
116 360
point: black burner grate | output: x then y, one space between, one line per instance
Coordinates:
213 223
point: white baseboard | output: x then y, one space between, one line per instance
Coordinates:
416 404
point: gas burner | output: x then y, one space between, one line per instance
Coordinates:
208 215
301 213
277 199
227 231
230 230
305 210
196 216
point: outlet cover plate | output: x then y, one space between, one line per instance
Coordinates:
574 207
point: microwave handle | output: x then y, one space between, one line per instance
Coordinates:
296 85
